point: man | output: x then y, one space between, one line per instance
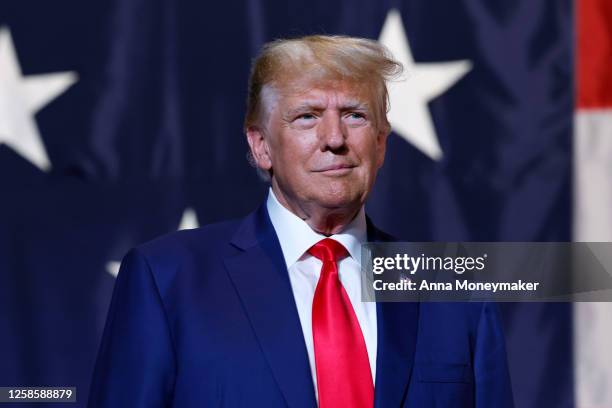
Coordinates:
266 311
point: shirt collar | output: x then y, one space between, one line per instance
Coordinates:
296 236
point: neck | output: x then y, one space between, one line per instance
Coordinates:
325 221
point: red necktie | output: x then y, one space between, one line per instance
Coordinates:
344 378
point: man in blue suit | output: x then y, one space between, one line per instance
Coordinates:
266 311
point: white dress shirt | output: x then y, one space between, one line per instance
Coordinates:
296 237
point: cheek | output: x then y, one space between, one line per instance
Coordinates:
295 150
369 151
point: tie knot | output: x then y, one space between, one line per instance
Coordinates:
328 250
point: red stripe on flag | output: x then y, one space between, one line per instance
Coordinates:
594 62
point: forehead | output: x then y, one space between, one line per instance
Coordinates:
324 94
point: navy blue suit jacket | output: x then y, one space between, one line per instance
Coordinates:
206 318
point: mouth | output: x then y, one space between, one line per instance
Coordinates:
336 169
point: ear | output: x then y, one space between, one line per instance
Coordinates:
381 146
259 148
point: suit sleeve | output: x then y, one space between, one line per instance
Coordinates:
493 386
136 361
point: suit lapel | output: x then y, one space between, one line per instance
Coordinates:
262 282
397 325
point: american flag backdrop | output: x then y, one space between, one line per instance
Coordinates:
121 120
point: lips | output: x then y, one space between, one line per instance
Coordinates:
335 167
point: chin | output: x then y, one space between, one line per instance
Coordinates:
338 198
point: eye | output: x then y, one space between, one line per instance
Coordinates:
305 120
355 118
305 116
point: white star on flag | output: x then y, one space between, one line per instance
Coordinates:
112 267
20 98
409 114
189 220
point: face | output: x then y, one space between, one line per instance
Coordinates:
322 147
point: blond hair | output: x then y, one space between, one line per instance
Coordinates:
318 59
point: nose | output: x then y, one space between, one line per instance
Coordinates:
331 132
